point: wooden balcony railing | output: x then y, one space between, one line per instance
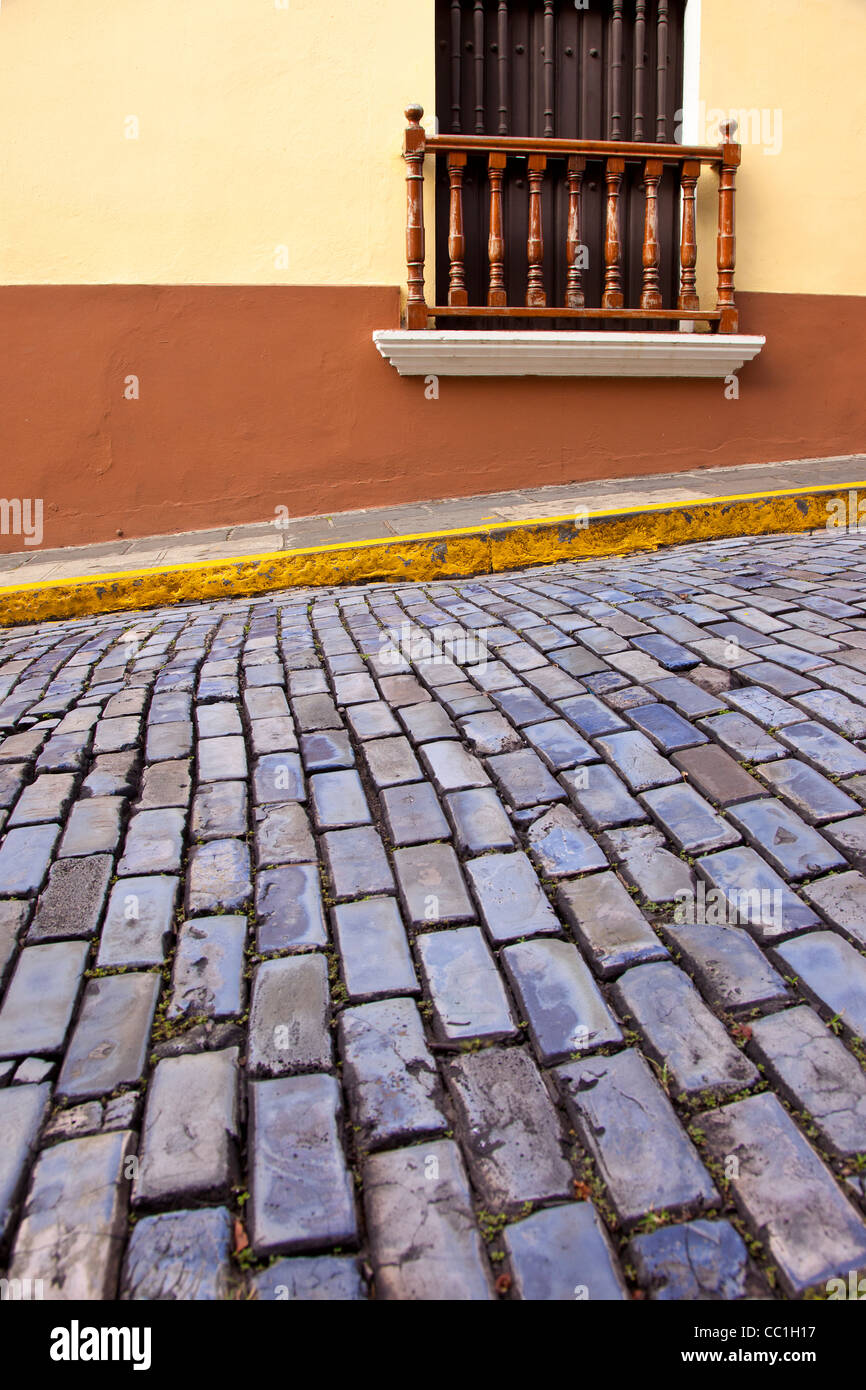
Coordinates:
613 155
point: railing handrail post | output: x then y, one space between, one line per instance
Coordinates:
727 241
414 140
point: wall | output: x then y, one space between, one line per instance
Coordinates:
253 398
262 127
259 127
801 212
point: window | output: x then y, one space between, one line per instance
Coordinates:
546 68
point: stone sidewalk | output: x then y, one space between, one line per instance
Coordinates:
500 938
33 565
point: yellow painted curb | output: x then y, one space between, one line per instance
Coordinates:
436 555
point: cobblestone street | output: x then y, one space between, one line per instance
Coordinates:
497 938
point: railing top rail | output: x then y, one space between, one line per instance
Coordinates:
598 149
416 138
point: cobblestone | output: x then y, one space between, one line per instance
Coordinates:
72 900
731 971
816 1073
413 814
659 875
390 1074
611 931
71 1235
561 1001
24 859
510 897
208 966
164 784
373 948
700 1260
789 1197
338 800
40 998
680 1032
22 1110
628 1124
182 1256
289 1016
93 827
689 821
218 877
190 1129
289 909
356 863
832 973
301 1192
637 761
154 843
563 1253
510 1130
423 1238
282 836
480 822
652 792
793 848
109 1044
466 991
45 799
431 885
311 1278
138 921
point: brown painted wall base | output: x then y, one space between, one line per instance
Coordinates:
261 397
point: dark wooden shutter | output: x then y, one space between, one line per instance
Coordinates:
546 68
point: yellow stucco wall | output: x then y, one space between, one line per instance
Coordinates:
801 213
262 127
259 128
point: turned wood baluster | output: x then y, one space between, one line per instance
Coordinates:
496 296
651 292
639 70
413 153
574 297
456 240
727 243
688 297
613 295
535 296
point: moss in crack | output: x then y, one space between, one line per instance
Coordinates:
491 1224
165 1028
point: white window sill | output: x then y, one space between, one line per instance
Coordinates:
482 352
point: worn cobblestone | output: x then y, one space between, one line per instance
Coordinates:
628 1124
680 1033
301 1192
788 1195
423 1238
509 1126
